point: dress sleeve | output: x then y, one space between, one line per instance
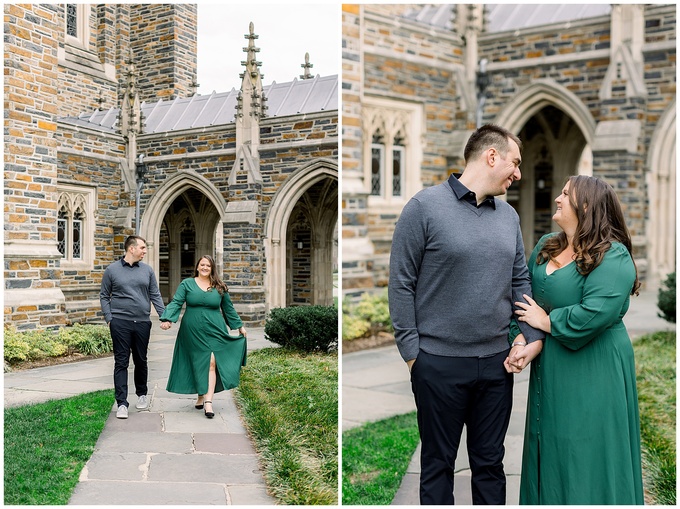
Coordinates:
230 315
605 292
173 310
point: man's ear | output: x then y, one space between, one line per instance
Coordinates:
491 156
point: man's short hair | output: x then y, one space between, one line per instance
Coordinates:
487 136
132 241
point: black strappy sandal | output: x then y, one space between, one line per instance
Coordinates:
209 415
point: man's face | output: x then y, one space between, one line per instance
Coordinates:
137 252
506 169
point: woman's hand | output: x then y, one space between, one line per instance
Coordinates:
520 357
533 314
166 325
243 332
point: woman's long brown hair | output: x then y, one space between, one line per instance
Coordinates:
215 281
600 222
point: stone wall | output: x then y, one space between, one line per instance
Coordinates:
31 274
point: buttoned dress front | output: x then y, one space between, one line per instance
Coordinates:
204 331
582 436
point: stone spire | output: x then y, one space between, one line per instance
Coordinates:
250 108
130 119
306 66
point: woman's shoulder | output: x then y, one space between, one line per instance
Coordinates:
541 242
618 249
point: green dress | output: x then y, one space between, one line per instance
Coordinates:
582 436
204 330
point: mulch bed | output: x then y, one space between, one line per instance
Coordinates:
374 341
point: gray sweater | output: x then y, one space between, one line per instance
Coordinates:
128 291
455 272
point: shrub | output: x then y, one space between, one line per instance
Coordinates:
41 344
370 314
354 326
305 328
666 302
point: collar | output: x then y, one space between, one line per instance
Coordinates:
126 264
463 193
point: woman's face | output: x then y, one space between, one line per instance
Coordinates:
565 215
204 267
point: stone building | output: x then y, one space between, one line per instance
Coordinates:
102 126
590 89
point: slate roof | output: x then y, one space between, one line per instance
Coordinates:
290 98
502 17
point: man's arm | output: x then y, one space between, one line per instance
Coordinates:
521 284
408 248
155 294
105 296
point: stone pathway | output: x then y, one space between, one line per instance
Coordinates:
168 454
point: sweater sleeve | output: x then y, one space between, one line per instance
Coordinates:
105 296
155 294
174 308
408 248
521 284
605 293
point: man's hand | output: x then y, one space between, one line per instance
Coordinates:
166 325
520 357
410 364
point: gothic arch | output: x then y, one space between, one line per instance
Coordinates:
542 93
153 215
661 181
276 224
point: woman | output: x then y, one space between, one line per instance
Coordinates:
206 359
582 437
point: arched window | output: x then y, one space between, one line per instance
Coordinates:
75 225
393 153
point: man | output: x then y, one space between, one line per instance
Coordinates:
128 289
456 268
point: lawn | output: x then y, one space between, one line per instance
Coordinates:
289 401
655 364
375 458
47 445
376 455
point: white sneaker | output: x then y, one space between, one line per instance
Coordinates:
142 403
122 412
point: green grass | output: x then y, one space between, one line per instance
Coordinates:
47 445
289 401
375 457
655 365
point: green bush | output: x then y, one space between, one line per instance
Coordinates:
666 301
41 344
370 314
304 328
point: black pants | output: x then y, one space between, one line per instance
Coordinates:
451 392
130 336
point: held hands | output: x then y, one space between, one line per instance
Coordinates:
166 325
521 356
533 314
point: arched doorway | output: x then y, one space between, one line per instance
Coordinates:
661 180
183 220
556 130
299 237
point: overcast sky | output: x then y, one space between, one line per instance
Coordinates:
285 33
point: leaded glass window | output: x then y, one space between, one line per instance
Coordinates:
62 229
72 20
377 165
